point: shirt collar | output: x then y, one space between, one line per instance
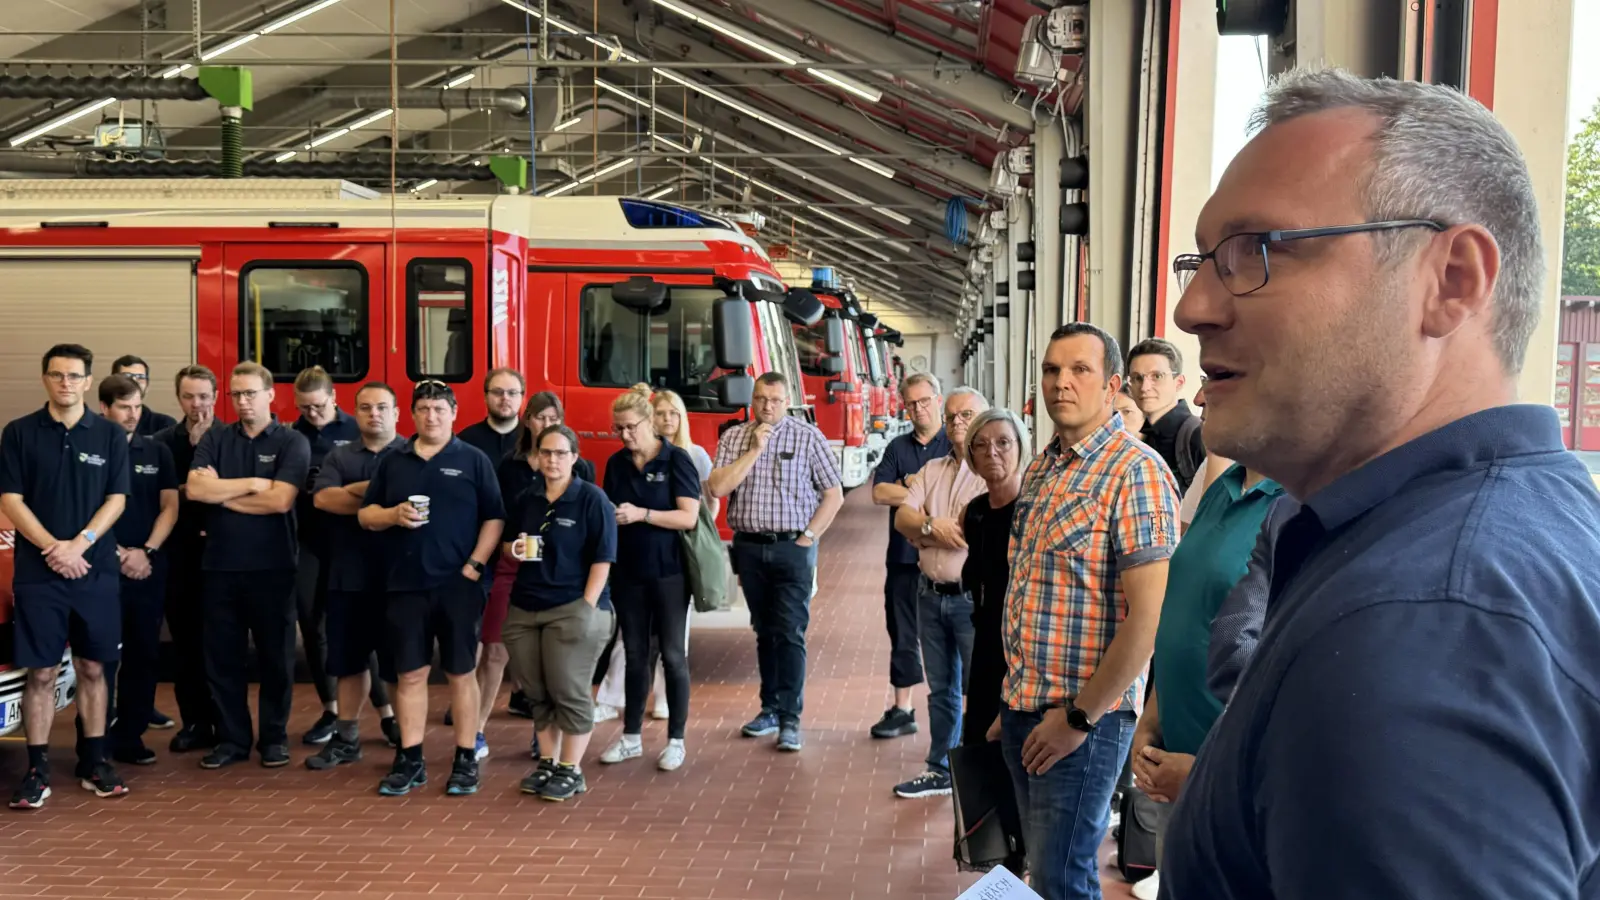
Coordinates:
340 417
1233 479
410 445
396 443
1493 434
84 421
1168 425
272 425
1091 443
574 485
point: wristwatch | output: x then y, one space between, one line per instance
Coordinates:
809 535
476 565
927 527
150 551
1079 719
88 535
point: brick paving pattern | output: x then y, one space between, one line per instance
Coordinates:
740 820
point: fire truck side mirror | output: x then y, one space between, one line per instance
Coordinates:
802 306
833 336
831 365
733 337
735 391
641 292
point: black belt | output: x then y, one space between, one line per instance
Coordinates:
945 588
767 537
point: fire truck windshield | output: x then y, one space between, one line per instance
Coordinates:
811 343
668 347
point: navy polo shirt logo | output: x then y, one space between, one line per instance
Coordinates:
93 459
565 523
655 477
340 443
146 470
453 473
267 459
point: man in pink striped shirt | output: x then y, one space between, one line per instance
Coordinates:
931 520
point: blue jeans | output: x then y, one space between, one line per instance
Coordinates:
1065 811
945 624
776 579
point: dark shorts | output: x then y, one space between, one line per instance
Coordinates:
85 612
355 624
451 614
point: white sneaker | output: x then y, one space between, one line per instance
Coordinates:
660 711
629 746
672 757
604 712
1149 888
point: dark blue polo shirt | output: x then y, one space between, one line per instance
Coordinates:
64 476
242 542
646 550
341 431
151 422
1421 715
150 471
579 530
460 484
494 445
191 515
354 553
905 456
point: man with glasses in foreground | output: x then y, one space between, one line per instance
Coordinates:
891 484
437 501
1419 718
250 473
931 520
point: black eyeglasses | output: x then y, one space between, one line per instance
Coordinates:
1242 260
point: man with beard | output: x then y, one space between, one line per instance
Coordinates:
496 435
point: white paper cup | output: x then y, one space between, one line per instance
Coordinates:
419 502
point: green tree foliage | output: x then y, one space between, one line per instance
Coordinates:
1580 256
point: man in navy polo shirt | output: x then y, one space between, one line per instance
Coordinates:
141 530
250 472
150 421
436 591
356 602
891 484
1421 714
324 426
63 483
496 435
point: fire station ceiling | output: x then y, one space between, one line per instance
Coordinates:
859 132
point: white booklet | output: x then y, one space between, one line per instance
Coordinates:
999 884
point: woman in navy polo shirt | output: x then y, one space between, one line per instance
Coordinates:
560 616
657 494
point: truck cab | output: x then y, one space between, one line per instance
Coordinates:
834 370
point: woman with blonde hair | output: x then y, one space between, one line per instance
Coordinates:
656 491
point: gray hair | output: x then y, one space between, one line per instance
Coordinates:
927 378
983 402
1019 429
1439 155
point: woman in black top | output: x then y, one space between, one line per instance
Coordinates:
656 490
564 536
997 445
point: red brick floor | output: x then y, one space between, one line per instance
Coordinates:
740 820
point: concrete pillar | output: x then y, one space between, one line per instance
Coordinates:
1111 132
1532 62
1190 118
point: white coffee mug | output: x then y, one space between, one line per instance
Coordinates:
419 502
528 548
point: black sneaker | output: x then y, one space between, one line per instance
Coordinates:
103 781
321 731
789 737
134 754
463 778
762 725
193 737
403 777
160 720
223 756
534 783
33 792
929 784
896 722
336 752
564 783
274 756
391 731
520 705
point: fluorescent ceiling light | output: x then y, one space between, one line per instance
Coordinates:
657 195
285 157
368 120
562 126
459 80
59 121
891 214
174 71
597 173
869 94
318 142
425 185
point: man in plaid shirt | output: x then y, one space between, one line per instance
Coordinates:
785 489
1095 523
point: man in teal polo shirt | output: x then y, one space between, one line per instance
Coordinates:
1209 561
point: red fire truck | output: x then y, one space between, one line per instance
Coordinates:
584 295
833 360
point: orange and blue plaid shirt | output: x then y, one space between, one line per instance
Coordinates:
1086 514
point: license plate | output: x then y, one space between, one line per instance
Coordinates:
10 713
